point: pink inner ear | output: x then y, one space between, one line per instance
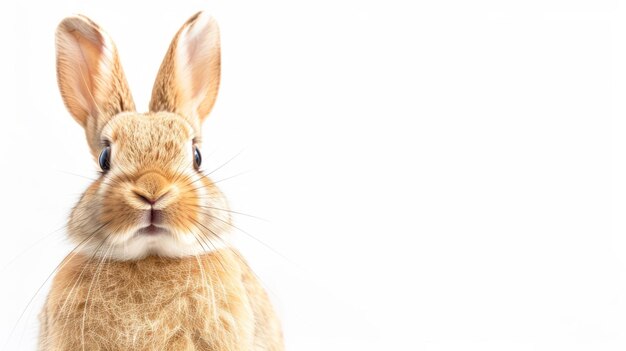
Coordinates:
89 64
197 66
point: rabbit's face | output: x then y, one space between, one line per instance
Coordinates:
152 197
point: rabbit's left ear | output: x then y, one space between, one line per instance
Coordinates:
189 76
90 76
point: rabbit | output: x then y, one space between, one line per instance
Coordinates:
151 269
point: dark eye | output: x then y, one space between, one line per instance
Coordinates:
197 158
105 158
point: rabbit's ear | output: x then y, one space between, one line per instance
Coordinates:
91 79
189 76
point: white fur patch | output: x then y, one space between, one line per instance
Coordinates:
134 246
166 245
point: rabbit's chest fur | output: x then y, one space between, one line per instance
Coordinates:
194 303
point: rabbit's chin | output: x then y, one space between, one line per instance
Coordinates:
146 242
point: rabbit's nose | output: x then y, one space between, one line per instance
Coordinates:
151 188
150 200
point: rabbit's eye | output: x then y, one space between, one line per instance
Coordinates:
197 158
105 158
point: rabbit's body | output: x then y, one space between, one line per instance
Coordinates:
209 302
152 269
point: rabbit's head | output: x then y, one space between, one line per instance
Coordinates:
151 197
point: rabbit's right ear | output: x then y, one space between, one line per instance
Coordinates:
189 77
90 76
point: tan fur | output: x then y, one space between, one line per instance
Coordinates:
122 289
213 302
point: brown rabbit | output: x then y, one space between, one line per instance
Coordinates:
151 270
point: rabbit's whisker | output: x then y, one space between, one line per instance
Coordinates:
249 235
68 258
93 278
224 164
206 236
229 211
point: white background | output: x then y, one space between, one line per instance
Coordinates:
438 175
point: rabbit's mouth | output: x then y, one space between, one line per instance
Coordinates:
153 226
152 230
